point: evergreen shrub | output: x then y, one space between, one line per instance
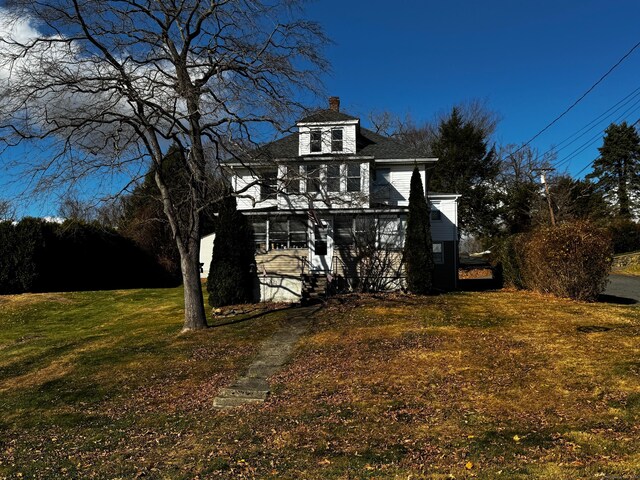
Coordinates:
232 274
418 247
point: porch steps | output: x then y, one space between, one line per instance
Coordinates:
314 288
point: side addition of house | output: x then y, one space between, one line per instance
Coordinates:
330 201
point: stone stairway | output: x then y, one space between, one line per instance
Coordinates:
252 386
314 288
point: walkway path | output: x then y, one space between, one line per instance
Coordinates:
252 387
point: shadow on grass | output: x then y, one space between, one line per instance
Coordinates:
616 300
253 317
478 285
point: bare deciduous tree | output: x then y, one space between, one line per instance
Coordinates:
7 211
518 186
108 85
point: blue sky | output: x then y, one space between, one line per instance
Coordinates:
529 60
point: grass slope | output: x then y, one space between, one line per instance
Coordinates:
485 385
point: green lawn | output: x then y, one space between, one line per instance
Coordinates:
486 385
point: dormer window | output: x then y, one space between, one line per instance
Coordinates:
336 140
316 141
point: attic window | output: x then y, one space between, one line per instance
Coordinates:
316 141
336 140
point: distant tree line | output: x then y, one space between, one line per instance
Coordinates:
500 185
42 256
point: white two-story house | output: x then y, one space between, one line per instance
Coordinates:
330 201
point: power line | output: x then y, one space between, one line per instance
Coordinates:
624 57
632 109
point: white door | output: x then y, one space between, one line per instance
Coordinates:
321 246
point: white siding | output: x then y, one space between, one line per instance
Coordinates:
348 139
206 252
400 179
323 199
250 198
445 229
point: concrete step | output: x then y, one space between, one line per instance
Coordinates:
264 371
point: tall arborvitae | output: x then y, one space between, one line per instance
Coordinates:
418 256
617 169
232 272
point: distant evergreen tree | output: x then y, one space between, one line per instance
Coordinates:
618 167
467 167
418 249
232 272
143 219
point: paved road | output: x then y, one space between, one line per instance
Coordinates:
624 286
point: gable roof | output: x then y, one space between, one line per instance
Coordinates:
368 144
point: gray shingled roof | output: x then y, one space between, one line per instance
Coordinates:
327 116
368 144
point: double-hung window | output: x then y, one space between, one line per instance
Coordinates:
316 141
337 143
313 178
333 177
268 185
292 180
354 178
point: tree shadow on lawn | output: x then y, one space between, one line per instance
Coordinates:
603 298
253 317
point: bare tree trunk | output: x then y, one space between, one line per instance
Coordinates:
195 317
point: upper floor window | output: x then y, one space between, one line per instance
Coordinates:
268 185
313 178
316 141
436 215
354 179
336 140
292 180
333 177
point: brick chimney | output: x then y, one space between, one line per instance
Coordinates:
334 104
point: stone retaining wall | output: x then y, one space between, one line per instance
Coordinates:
626 259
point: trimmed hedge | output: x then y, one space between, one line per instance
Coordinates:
39 256
569 260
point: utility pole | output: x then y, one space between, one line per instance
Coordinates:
543 179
